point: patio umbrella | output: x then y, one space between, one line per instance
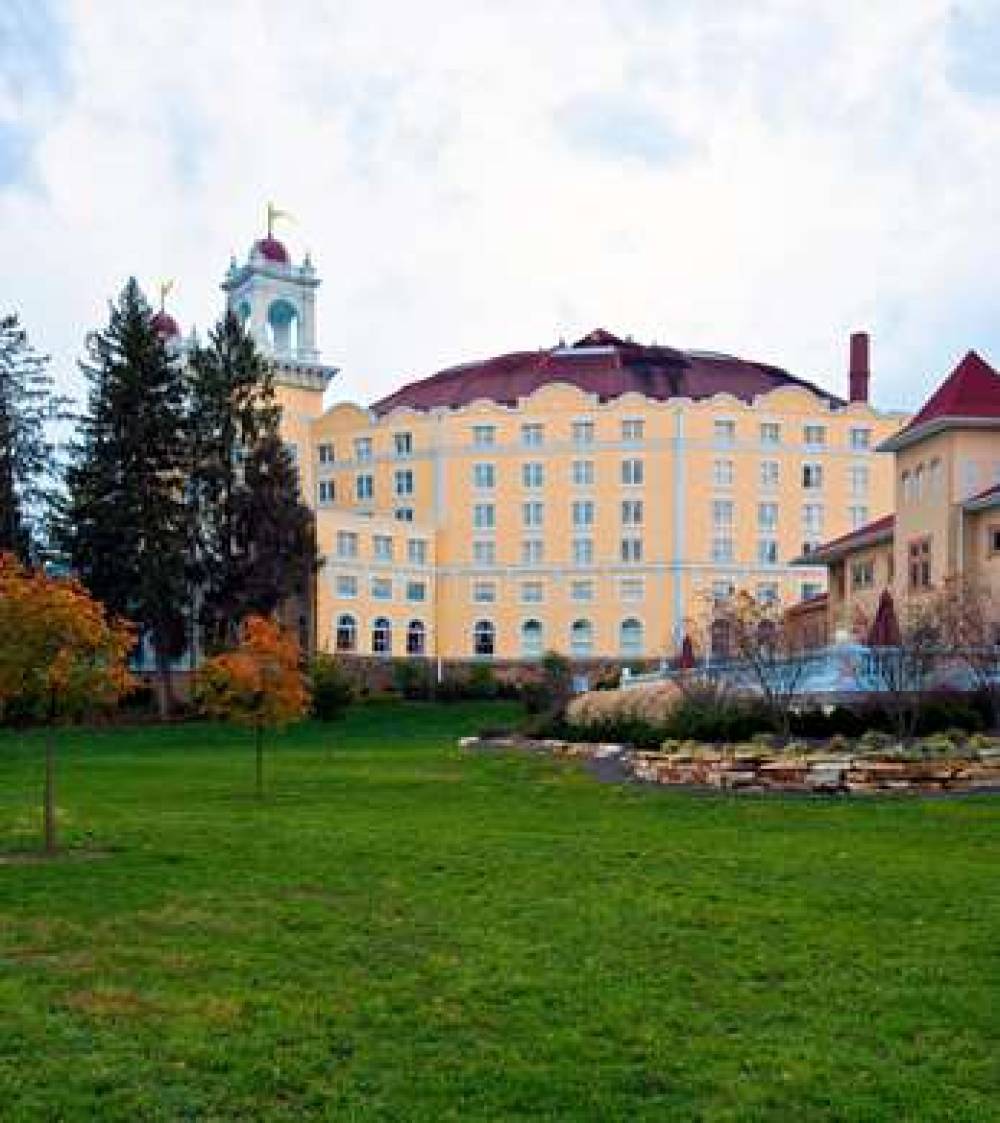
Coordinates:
884 631
686 660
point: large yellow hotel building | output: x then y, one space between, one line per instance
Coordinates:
582 498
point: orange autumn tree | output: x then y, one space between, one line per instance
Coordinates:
258 685
60 656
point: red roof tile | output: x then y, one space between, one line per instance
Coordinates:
874 531
972 390
601 364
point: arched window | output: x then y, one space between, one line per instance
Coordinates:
721 639
581 637
630 636
283 326
347 633
381 637
484 638
531 638
416 638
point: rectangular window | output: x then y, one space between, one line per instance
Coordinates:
770 473
723 513
382 547
416 590
381 588
858 476
532 592
416 551
364 488
632 473
722 590
484 592
724 432
403 443
766 592
532 551
484 516
814 435
484 476
770 433
404 514
919 553
533 475
862 575
326 491
326 453
583 432
722 549
404 482
767 551
484 553
812 518
532 514
993 539
362 448
484 436
632 430
810 589
583 473
581 590
632 589
631 549
861 439
347 544
858 516
812 476
347 587
722 473
532 436
767 516
583 513
583 551
631 512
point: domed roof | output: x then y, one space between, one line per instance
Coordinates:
273 250
165 325
600 363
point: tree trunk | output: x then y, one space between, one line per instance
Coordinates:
49 799
259 738
164 687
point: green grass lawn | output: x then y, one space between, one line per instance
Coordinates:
405 932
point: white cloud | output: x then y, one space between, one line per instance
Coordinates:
457 173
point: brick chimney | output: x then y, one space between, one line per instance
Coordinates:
859 372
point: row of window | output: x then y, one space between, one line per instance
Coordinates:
484 551
383 547
534 592
381 588
483 640
631 431
918 482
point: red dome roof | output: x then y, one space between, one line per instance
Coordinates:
600 364
165 325
273 250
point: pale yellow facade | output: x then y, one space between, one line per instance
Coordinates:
594 528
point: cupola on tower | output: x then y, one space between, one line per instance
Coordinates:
276 300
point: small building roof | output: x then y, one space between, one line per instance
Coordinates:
871 534
983 500
969 396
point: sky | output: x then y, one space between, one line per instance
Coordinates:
475 176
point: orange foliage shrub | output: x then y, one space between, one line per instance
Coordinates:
649 704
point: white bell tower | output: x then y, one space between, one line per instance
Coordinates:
276 299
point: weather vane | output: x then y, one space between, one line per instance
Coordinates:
273 214
165 289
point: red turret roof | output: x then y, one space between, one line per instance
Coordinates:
600 363
970 393
165 325
273 250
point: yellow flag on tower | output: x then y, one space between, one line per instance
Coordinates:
166 287
273 214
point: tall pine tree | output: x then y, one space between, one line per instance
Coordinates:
27 457
253 544
125 523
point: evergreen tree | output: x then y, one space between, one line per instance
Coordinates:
124 526
27 471
249 551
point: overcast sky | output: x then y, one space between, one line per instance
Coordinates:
479 175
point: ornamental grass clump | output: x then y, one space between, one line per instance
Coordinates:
639 715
